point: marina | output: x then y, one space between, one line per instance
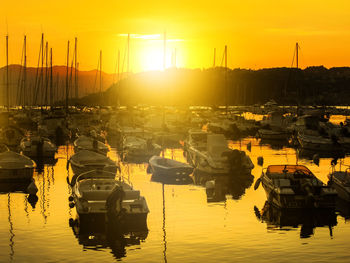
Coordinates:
210 217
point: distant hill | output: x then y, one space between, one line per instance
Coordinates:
213 86
289 86
88 82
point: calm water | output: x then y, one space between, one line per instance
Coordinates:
183 226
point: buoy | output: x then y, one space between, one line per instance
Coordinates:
71 204
32 189
70 198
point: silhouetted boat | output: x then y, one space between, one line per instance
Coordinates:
295 186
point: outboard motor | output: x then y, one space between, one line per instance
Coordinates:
114 204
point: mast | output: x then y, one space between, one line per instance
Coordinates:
214 57
46 72
226 91
67 77
25 71
164 55
7 73
128 64
42 67
118 65
297 53
51 80
76 68
101 72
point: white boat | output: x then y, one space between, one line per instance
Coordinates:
170 171
84 161
209 153
97 192
295 186
38 147
318 143
136 148
91 144
14 166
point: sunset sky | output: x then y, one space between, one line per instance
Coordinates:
258 33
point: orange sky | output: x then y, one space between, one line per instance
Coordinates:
258 33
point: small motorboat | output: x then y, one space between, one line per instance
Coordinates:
84 161
38 147
140 149
91 144
295 186
97 193
14 166
170 171
340 181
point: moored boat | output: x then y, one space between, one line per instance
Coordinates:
295 186
91 144
171 171
37 147
14 166
97 193
84 161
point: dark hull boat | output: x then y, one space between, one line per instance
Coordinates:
295 186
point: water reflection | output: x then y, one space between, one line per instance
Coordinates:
274 144
99 235
278 219
217 187
309 154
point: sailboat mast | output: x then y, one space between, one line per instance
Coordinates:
46 72
164 55
25 71
7 73
226 91
128 64
51 80
67 77
100 71
75 68
297 53
214 57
